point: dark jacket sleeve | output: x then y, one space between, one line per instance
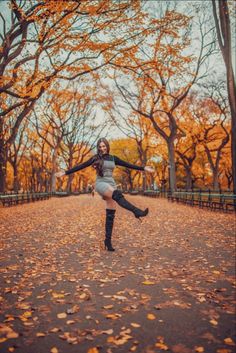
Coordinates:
122 163
80 166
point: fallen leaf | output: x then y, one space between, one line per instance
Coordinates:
93 350
119 297
151 317
134 324
55 329
113 316
119 341
108 306
72 279
229 341
61 315
58 295
54 350
27 314
12 334
162 346
148 283
9 318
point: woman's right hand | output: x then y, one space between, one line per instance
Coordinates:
149 169
60 174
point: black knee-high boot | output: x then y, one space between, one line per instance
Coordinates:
119 198
110 215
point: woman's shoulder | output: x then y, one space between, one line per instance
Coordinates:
92 159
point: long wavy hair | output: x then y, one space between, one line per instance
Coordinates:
98 163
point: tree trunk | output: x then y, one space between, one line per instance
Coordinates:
223 30
40 180
2 169
79 184
172 172
152 181
47 186
16 181
54 166
130 182
229 181
189 181
233 132
3 160
215 179
69 183
232 102
144 182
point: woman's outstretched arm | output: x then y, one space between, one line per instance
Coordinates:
122 163
76 168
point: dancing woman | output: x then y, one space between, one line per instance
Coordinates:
104 163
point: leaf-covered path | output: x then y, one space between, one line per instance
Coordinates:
169 286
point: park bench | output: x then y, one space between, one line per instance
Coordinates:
134 192
224 202
20 198
213 201
152 193
61 194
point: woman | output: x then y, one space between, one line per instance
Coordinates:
104 163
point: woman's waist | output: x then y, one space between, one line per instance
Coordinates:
104 178
107 173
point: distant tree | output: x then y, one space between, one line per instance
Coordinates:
221 13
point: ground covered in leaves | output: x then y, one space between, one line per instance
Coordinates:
169 286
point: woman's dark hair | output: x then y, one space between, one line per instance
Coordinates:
98 163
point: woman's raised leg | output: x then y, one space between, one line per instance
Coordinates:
121 200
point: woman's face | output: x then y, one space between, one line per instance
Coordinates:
102 148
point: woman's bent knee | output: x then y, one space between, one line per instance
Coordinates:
108 193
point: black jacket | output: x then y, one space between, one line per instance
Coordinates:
106 157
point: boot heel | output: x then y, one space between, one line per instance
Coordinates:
140 213
108 246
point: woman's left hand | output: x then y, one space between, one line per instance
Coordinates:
60 174
149 169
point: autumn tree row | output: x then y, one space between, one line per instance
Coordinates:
61 132
139 56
